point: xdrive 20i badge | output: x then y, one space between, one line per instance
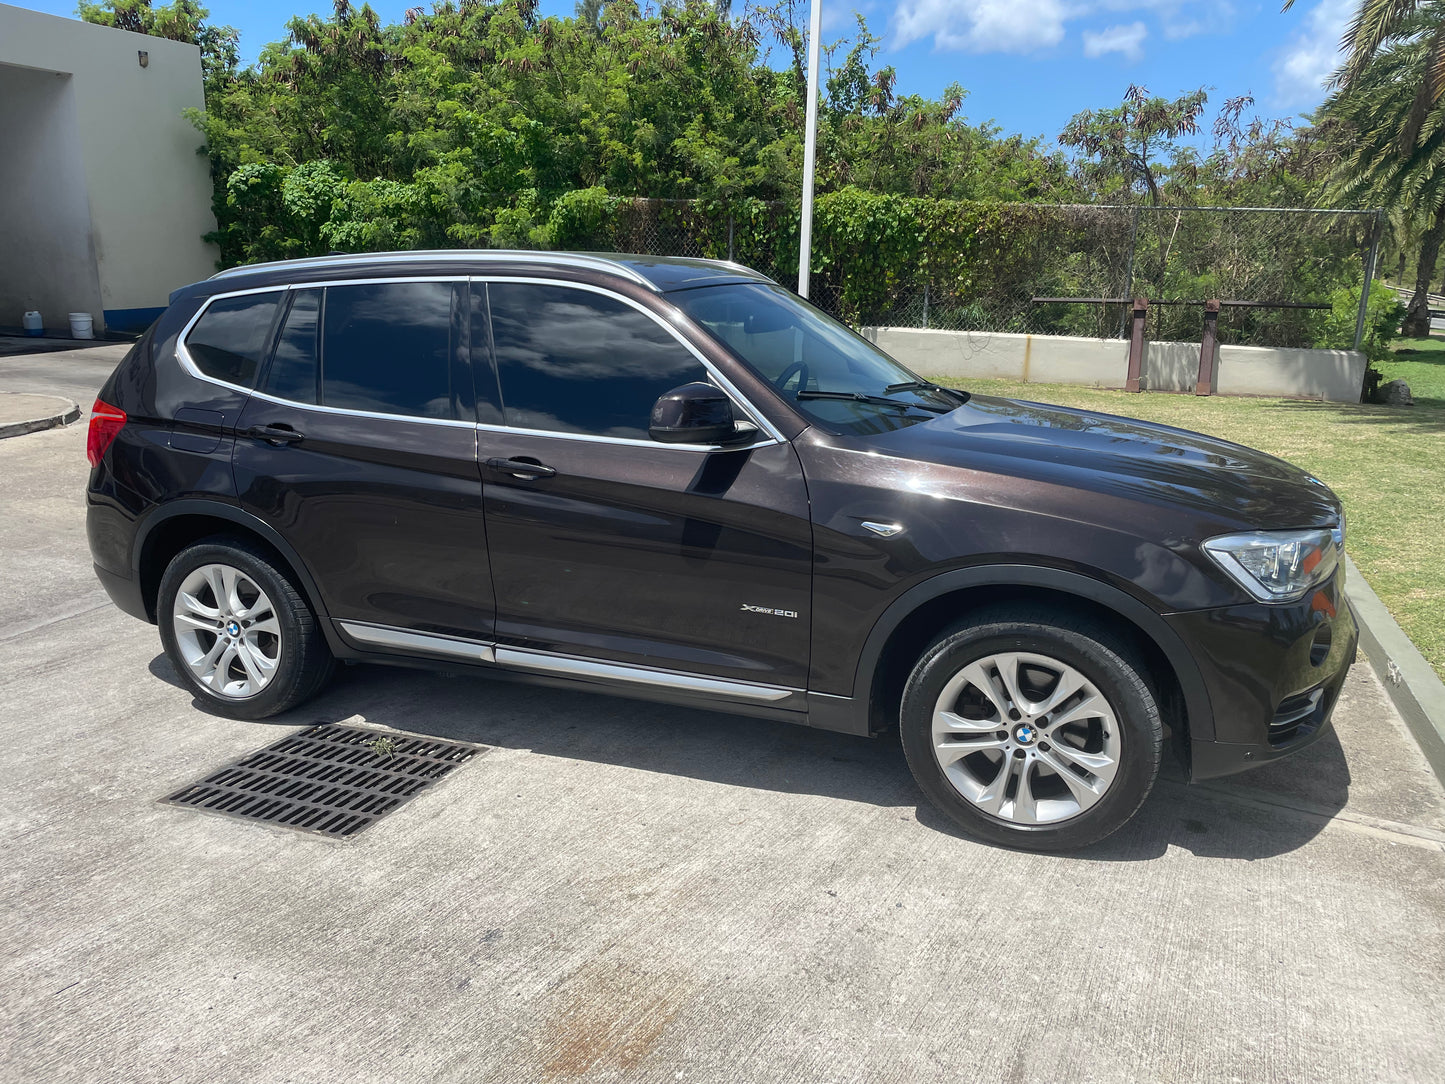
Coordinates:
748 607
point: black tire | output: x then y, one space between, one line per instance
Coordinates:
1094 651
304 662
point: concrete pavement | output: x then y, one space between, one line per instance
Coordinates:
624 891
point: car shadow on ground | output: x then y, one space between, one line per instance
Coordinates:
1236 819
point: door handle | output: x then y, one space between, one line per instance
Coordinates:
521 468
276 434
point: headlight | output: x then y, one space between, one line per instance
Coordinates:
1278 566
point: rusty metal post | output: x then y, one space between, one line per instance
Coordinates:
1136 344
1205 384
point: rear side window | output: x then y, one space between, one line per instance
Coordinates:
230 339
573 361
294 367
387 347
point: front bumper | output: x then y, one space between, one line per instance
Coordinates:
1273 674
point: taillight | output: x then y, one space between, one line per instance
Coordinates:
106 422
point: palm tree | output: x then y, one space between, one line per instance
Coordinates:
1390 90
1398 157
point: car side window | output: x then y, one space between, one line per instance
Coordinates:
230 340
387 347
574 361
294 366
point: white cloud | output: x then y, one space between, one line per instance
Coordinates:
1308 60
1025 26
1127 39
982 26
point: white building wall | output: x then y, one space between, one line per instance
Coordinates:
47 258
149 192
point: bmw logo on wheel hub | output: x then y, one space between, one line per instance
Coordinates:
1024 734
233 628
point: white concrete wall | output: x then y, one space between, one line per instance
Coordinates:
47 257
149 191
1334 375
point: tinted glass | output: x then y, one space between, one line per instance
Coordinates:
293 366
813 360
229 341
578 362
387 348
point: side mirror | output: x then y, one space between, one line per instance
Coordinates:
693 414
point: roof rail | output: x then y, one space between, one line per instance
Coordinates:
468 255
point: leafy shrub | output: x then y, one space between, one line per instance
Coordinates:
1382 322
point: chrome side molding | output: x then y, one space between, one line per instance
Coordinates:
384 637
887 530
571 666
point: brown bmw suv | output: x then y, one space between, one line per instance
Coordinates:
673 479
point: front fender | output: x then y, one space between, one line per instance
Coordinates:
851 714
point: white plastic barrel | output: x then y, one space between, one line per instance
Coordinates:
81 326
34 325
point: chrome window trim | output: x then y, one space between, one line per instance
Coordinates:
189 364
472 256
635 442
739 399
576 666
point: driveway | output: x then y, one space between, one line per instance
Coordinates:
616 890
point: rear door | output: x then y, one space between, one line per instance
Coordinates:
359 447
683 558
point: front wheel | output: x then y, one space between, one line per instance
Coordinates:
238 632
1032 729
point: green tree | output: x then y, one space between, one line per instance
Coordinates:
1126 142
1403 40
1397 160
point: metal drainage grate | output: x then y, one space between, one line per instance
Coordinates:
327 779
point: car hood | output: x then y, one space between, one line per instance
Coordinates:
1121 457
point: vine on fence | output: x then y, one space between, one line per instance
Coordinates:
886 259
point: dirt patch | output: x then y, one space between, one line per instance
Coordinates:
606 1018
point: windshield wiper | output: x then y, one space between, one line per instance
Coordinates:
860 397
924 385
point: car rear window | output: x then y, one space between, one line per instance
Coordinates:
230 339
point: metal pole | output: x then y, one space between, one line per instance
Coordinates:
810 145
1204 385
1129 272
1369 274
1136 345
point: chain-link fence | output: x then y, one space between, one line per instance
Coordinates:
984 270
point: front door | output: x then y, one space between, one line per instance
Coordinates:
606 545
360 449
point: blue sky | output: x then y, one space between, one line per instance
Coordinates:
1028 65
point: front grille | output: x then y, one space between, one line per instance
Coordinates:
1297 716
336 780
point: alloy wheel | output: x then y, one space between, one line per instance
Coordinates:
1025 738
227 631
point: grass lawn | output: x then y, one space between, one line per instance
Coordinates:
1386 463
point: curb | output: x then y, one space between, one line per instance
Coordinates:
1412 683
62 416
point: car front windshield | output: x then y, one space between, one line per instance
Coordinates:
834 376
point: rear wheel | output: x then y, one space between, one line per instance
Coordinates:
237 631
1032 729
